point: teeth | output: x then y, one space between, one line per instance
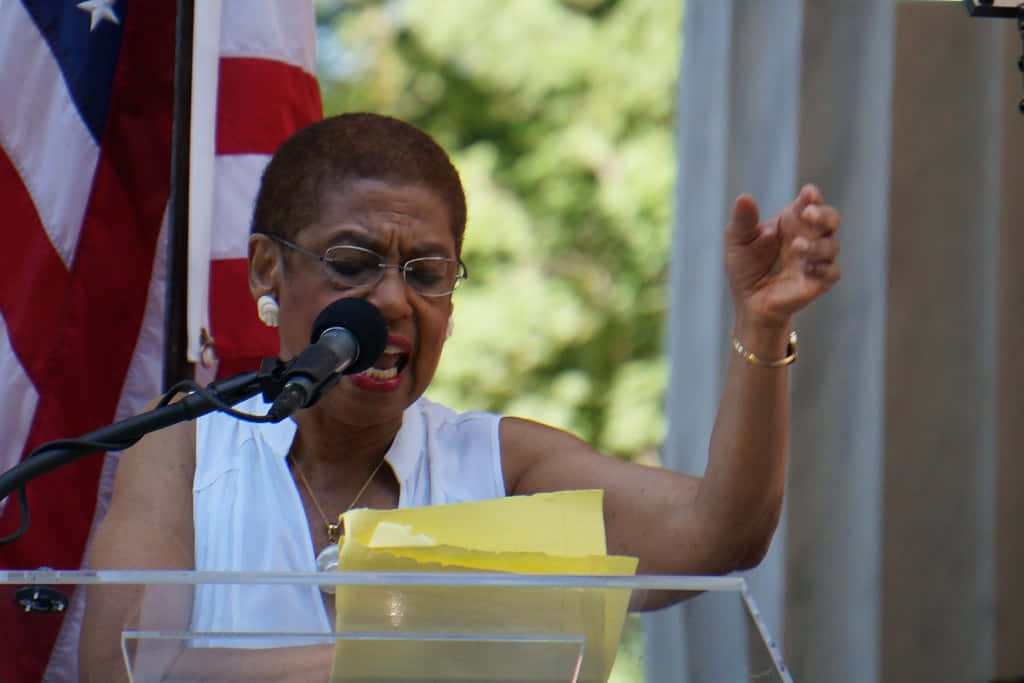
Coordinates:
392 349
375 373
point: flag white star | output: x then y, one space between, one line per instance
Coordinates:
98 11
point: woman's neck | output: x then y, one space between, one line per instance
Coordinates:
333 452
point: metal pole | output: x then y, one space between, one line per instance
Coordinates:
176 365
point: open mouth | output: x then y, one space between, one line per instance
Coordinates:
389 365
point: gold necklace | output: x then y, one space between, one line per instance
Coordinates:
327 559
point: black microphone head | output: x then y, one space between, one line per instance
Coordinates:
364 321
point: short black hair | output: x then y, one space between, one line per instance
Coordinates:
355 146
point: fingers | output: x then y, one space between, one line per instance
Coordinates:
809 195
822 270
819 246
777 277
818 256
743 223
822 249
825 218
808 215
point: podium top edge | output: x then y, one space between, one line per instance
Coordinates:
364 578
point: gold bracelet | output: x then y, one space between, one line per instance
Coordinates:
751 358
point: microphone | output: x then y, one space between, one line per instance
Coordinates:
348 336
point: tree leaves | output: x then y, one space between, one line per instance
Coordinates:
559 117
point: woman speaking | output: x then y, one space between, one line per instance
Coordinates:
366 206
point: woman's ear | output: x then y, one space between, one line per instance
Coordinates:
264 266
451 322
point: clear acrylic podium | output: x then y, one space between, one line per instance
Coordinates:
406 627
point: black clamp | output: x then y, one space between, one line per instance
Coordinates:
40 599
271 378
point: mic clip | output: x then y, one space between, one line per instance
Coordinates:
271 378
285 391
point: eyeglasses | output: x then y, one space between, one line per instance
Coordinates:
352 267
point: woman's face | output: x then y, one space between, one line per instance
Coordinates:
399 222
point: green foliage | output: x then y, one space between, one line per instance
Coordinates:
559 116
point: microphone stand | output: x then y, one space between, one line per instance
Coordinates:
126 432
219 395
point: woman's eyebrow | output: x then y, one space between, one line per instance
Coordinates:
426 249
353 234
361 237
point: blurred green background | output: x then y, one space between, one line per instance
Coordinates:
559 116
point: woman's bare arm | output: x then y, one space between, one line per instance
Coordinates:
725 519
148 526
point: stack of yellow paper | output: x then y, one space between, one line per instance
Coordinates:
481 633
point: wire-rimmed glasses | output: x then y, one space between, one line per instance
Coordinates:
354 267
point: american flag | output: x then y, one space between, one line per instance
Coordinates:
86 93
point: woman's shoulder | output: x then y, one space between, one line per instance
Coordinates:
437 414
152 498
166 454
472 428
461 448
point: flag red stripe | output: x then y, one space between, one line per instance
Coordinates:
250 122
260 102
29 260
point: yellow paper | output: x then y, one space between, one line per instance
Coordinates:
561 523
557 533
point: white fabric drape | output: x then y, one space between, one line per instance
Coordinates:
898 555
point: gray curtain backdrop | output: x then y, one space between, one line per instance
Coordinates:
902 543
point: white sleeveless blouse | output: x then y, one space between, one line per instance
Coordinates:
249 517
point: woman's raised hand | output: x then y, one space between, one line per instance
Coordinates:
777 267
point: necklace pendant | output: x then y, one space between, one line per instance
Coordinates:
327 561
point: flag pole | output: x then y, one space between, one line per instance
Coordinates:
176 364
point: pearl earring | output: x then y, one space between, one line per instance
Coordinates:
268 310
